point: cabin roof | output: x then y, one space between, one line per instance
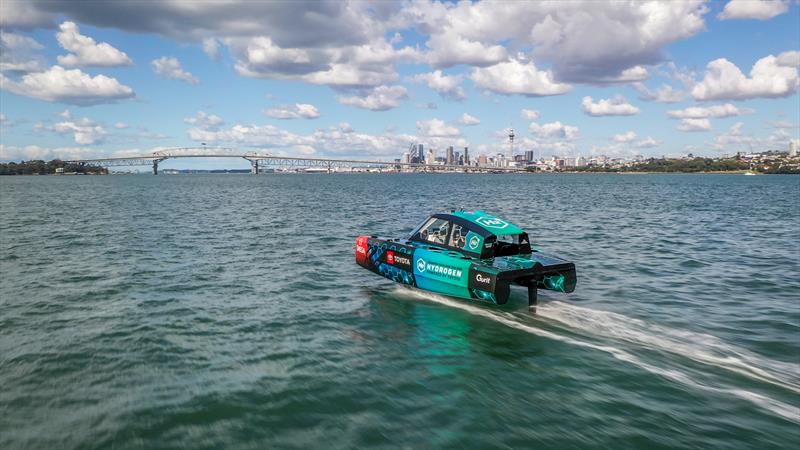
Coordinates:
492 224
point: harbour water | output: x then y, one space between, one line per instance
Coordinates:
226 311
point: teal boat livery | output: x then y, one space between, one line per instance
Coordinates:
472 255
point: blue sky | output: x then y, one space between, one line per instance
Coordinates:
367 79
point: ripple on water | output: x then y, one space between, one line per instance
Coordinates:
226 311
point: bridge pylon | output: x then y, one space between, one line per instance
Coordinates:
253 166
155 165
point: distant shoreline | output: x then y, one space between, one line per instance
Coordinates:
567 172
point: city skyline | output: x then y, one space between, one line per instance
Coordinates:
358 79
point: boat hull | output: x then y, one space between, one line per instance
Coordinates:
454 274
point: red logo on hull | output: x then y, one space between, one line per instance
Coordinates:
361 250
390 257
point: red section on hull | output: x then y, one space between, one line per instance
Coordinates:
361 250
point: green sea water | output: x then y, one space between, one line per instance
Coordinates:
226 311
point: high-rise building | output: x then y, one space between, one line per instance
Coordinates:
457 158
580 161
529 155
406 158
449 157
430 158
482 160
793 147
420 153
466 156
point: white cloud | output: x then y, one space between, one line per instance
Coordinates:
436 128
468 120
529 114
789 59
784 124
734 136
664 94
381 98
753 9
15 14
257 135
33 152
85 51
169 67
694 125
121 125
554 130
84 131
647 142
716 111
449 49
351 67
17 53
335 140
211 48
770 77
26 153
296 111
448 86
205 121
586 41
516 77
68 86
260 56
624 137
632 74
616 106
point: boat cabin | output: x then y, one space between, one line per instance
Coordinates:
475 234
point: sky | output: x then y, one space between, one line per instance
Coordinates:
368 79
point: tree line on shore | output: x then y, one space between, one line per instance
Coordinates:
693 165
39 167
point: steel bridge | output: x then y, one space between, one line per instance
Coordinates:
259 160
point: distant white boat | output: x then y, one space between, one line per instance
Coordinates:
750 173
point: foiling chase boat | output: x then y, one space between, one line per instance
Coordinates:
471 255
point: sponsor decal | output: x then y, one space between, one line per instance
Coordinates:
390 257
361 245
400 260
439 270
492 222
361 250
480 278
474 242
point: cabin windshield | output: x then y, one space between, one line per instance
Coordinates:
435 231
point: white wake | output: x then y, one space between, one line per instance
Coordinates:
776 407
699 347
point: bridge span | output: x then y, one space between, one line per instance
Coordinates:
259 160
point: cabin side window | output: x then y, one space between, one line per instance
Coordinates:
435 231
458 238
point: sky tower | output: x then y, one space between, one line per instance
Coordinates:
510 146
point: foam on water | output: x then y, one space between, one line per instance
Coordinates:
771 405
699 347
